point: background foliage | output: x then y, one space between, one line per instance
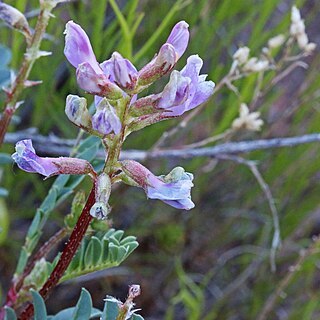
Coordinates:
212 262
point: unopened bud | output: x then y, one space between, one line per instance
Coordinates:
14 18
159 66
255 65
302 40
134 291
247 120
101 208
77 112
276 41
105 119
310 47
295 14
126 75
96 83
241 55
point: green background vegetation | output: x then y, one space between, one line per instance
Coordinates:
212 262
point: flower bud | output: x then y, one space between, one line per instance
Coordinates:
276 41
134 291
255 65
77 112
105 120
159 66
310 47
27 160
126 75
96 83
14 18
295 14
247 120
302 40
101 208
241 55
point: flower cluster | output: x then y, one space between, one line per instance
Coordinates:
247 64
297 30
247 120
115 84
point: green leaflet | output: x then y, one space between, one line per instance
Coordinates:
40 311
83 308
103 251
9 314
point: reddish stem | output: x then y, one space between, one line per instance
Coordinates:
67 254
4 123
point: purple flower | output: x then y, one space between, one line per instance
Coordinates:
105 120
179 38
173 189
120 71
186 89
168 55
27 160
90 75
78 48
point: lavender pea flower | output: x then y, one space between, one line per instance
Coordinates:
105 120
90 76
78 48
121 71
168 55
186 89
173 189
27 160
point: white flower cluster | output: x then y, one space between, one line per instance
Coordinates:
241 57
297 30
247 120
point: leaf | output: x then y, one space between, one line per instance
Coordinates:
83 308
100 252
128 240
33 229
77 259
50 201
9 314
40 311
93 252
22 260
110 310
66 314
118 234
113 252
5 55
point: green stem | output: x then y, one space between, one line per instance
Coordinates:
32 54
